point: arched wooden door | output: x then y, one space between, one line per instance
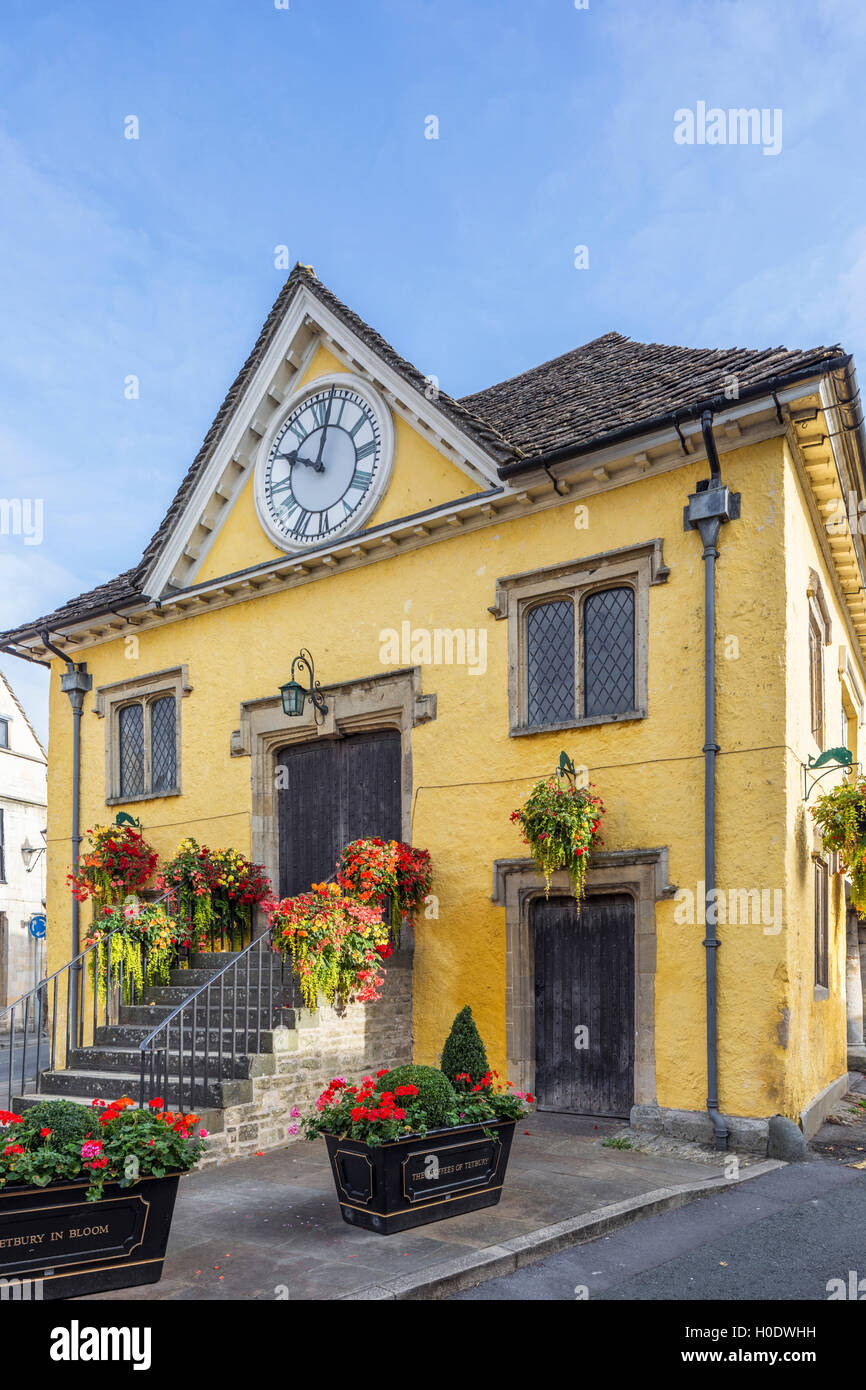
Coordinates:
332 791
584 1004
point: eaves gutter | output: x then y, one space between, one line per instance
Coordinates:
9 642
671 419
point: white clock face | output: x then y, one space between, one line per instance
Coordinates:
325 468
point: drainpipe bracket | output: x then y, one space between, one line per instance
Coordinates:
77 680
713 504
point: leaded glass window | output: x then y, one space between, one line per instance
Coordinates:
163 744
147 748
608 652
130 729
550 662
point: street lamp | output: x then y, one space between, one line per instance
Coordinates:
30 854
294 695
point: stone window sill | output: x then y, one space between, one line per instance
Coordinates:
143 796
521 731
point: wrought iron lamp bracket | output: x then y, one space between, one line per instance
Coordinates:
305 660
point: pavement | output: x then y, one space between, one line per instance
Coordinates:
797 1233
269 1227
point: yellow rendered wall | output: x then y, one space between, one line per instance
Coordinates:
469 775
817 1028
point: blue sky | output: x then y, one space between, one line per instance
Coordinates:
306 127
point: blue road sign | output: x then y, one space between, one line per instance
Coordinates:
37 925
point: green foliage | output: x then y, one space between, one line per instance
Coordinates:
464 1057
436 1096
840 815
560 823
69 1123
616 1142
101 1143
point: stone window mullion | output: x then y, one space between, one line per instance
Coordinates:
579 654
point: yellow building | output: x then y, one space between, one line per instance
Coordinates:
482 584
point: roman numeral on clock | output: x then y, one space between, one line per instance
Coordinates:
320 411
361 478
365 451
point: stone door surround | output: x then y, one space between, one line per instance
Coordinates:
392 700
517 883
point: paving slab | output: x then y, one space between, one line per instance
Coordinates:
268 1227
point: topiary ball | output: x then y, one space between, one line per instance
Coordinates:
69 1123
435 1096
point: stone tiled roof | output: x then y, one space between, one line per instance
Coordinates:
579 398
613 382
105 598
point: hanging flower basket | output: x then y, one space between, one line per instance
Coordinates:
134 944
119 862
336 945
560 823
373 869
840 815
213 892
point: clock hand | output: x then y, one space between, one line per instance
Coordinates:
319 465
295 457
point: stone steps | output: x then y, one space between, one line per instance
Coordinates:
131 1035
107 1060
235 1019
245 994
230 1017
84 1086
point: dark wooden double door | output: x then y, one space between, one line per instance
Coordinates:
584 1004
333 791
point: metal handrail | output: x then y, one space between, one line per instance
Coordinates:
35 1001
158 1072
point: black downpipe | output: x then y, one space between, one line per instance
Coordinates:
708 508
76 682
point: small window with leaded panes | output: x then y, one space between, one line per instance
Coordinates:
147 747
577 636
143 735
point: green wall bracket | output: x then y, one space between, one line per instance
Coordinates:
831 760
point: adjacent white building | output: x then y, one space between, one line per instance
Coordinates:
23 782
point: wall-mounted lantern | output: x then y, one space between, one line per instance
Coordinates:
31 853
294 695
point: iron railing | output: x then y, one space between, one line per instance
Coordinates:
63 1011
71 994
188 1050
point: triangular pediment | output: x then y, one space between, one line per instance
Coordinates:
315 355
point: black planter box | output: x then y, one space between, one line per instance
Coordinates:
412 1181
77 1247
